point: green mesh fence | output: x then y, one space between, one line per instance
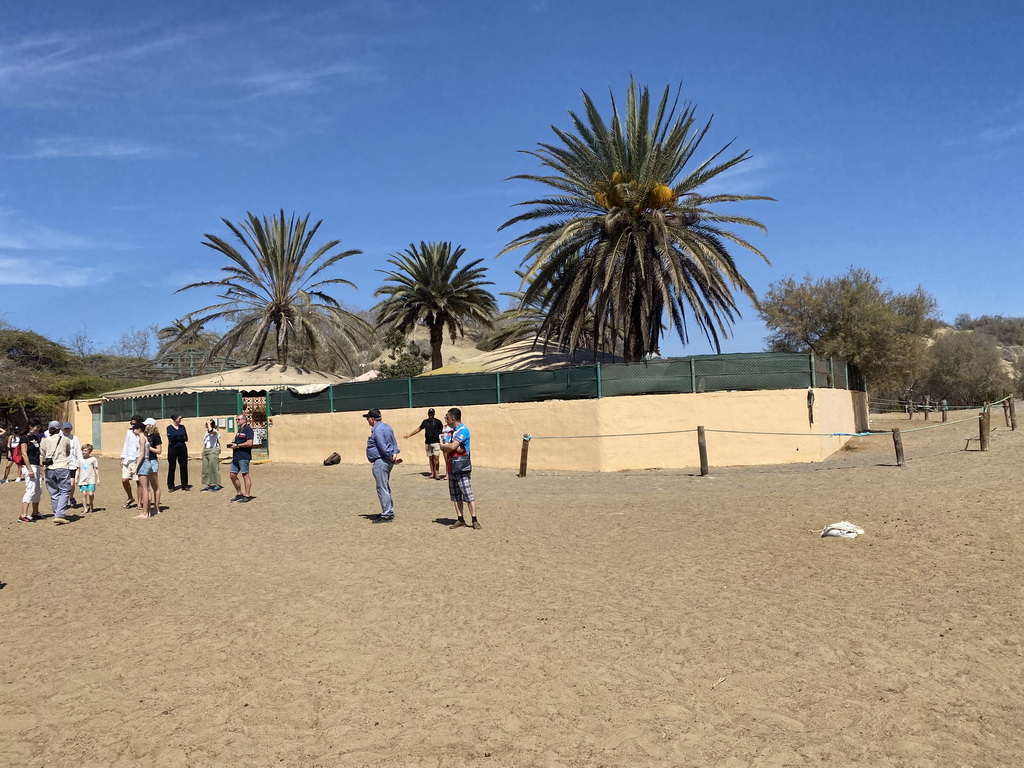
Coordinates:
286 401
702 373
218 403
186 405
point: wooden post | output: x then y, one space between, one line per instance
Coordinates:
702 447
945 411
1013 415
927 406
897 441
523 456
1006 412
984 425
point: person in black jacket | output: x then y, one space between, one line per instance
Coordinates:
177 452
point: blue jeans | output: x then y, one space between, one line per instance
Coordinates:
382 477
58 483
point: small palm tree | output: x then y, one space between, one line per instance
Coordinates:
526 319
274 294
430 288
183 336
627 236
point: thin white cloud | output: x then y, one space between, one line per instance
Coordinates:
1002 133
294 81
18 234
55 272
70 146
62 59
751 177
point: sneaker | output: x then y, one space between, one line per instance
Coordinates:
239 497
245 499
186 487
217 488
460 523
60 520
205 488
384 519
24 519
476 525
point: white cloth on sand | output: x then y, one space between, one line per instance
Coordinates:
844 530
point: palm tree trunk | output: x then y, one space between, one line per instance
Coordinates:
436 338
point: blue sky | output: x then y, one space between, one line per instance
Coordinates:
891 134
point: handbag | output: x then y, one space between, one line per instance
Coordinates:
461 464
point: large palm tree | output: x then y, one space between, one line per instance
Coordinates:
428 287
628 224
274 294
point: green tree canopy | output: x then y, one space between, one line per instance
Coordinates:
30 350
965 368
406 359
274 294
1005 330
853 317
629 234
428 287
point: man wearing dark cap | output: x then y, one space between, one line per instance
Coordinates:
431 429
382 453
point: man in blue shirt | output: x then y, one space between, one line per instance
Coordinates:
460 470
382 452
240 458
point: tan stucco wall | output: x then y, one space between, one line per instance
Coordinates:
497 431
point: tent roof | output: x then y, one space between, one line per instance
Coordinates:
261 377
525 356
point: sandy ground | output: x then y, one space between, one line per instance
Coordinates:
632 619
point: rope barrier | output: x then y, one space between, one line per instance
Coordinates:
701 431
940 424
529 437
628 434
902 404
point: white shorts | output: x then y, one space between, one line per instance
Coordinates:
433 449
33 488
128 470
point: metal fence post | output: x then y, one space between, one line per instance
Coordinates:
693 375
497 385
162 414
330 397
599 393
832 373
410 390
814 378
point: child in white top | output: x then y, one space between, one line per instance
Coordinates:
88 477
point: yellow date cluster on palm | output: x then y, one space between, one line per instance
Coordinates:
622 191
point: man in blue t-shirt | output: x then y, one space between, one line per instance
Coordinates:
460 483
242 445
